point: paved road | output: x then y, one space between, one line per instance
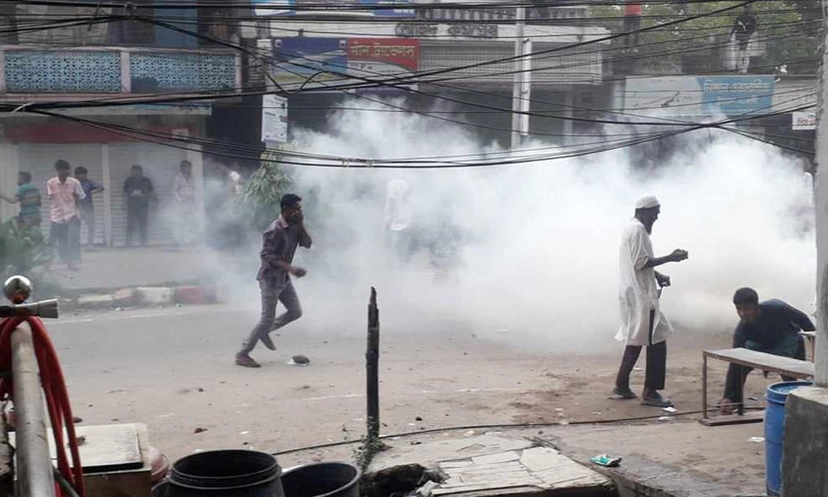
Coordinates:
151 367
172 369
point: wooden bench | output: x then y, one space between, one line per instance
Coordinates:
786 366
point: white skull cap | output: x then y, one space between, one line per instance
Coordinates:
647 202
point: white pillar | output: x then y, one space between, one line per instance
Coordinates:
520 121
8 179
821 202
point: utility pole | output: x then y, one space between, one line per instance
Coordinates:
821 204
804 466
521 80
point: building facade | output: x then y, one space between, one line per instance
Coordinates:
113 61
430 55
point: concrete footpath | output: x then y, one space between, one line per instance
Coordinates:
150 276
677 458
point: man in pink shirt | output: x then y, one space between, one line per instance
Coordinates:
64 193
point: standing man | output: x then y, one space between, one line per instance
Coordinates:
642 323
772 327
28 196
279 244
64 194
138 194
632 22
743 29
86 205
397 218
185 200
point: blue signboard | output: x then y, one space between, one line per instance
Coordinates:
736 95
300 59
377 8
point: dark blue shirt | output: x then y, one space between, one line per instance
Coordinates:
776 320
88 187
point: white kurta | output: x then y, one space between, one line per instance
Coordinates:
637 290
398 210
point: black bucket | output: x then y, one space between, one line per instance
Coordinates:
327 479
229 473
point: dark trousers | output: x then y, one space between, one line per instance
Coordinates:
273 292
631 25
656 374
66 238
137 221
736 375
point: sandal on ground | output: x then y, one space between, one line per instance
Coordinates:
656 401
620 394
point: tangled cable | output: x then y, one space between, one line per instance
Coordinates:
54 391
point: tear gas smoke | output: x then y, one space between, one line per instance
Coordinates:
537 245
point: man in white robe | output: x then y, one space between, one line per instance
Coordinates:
642 322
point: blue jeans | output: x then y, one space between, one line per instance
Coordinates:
273 292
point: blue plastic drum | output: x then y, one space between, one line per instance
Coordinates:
776 395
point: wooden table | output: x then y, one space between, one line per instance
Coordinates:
752 359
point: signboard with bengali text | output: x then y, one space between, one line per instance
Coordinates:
699 96
328 63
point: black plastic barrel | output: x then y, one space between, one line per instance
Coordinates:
327 479
229 473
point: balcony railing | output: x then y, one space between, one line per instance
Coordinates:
34 70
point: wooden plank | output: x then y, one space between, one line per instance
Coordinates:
499 468
491 476
768 362
540 458
489 492
131 483
561 475
496 458
105 447
505 492
492 485
734 419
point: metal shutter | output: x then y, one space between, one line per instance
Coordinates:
161 165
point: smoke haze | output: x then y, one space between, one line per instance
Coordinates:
538 263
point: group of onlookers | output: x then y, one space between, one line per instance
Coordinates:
71 204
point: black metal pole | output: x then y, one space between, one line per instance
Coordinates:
372 367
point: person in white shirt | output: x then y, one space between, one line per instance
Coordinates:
185 204
642 322
64 194
397 217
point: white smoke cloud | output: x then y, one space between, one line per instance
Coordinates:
540 265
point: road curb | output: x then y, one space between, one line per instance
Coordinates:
145 296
